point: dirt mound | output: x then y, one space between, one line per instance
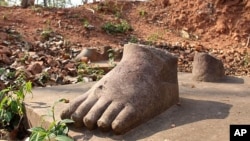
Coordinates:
221 23
38 36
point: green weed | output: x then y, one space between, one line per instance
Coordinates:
24 58
11 102
114 28
7 74
44 77
57 130
143 13
85 22
86 70
2 71
246 59
133 39
47 31
46 34
153 38
111 55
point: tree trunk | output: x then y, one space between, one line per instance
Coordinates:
45 3
27 3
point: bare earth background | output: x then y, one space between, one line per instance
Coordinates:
220 27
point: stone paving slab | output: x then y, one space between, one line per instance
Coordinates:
205 112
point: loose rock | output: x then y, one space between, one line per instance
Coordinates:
35 68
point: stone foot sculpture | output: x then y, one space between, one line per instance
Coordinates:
141 86
207 68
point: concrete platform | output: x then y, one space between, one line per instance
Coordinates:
205 112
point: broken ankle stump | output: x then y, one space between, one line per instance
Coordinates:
143 85
95 55
207 68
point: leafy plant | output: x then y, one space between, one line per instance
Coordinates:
44 77
133 39
24 58
114 28
11 102
111 55
57 130
8 75
87 70
153 37
118 14
46 34
47 31
85 22
143 13
2 71
246 59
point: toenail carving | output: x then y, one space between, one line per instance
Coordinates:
100 87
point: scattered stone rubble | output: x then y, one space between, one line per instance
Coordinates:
55 61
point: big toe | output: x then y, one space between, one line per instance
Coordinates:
69 110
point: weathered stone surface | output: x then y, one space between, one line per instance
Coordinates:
141 86
207 68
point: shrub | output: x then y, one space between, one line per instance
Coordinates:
113 28
11 102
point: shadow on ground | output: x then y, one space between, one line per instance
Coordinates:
189 111
232 79
39 105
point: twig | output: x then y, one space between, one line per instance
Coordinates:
248 40
59 23
92 10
